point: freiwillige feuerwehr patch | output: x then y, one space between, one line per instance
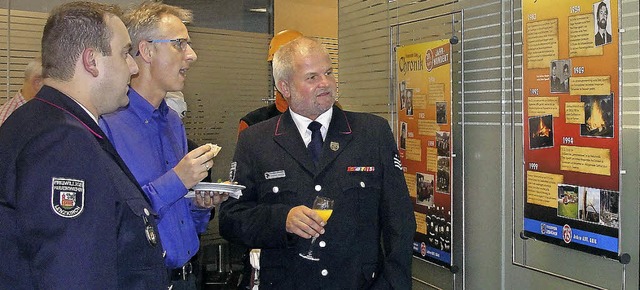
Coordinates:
67 196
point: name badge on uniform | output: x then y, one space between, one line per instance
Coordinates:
67 196
361 169
274 174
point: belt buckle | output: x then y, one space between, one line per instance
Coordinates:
186 270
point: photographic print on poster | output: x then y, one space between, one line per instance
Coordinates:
409 101
598 115
609 206
589 204
541 132
401 89
602 20
560 74
441 112
443 174
442 143
425 189
568 201
403 135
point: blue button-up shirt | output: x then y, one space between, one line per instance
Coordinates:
151 142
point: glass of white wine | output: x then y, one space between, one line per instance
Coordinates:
324 207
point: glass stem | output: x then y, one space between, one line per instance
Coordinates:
313 240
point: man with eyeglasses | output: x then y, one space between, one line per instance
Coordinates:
151 138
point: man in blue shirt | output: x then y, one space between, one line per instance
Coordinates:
151 138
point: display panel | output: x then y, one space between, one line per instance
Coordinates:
571 106
425 143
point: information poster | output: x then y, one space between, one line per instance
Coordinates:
424 121
571 123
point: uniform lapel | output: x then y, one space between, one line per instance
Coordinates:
286 135
338 136
61 101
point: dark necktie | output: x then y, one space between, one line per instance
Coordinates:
315 146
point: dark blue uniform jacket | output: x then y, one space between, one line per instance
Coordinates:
368 239
71 214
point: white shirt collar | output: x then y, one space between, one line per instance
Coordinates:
303 122
95 119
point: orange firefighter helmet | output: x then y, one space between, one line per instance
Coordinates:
280 39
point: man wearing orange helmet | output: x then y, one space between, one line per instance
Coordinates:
280 105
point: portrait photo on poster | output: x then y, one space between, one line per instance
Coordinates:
408 94
443 143
403 135
402 90
443 175
559 75
441 112
602 20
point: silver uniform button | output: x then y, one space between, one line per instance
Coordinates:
324 272
146 212
275 189
362 184
322 244
318 187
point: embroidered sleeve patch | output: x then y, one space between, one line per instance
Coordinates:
67 196
396 161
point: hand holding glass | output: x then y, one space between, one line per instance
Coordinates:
324 207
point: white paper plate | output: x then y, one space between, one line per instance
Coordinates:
234 190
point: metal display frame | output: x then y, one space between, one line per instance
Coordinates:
457 90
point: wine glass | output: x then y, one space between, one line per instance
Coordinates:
324 207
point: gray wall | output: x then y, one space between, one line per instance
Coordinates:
487 135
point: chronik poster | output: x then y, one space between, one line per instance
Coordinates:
424 121
571 123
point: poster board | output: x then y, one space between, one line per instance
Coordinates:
571 124
425 144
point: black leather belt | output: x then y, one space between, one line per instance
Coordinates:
181 273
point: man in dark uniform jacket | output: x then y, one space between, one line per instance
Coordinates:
358 167
71 213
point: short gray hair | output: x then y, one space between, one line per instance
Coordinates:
33 68
142 21
284 57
